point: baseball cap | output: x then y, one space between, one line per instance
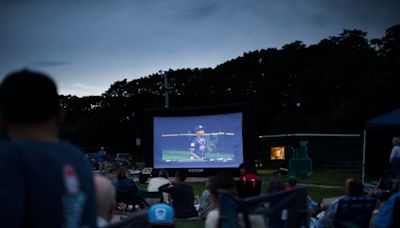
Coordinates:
199 128
161 214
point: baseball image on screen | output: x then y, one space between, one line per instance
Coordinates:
210 141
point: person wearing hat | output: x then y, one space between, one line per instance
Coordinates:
198 145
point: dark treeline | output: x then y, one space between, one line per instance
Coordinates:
332 86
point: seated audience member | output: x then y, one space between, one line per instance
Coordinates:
389 214
224 181
45 181
345 208
105 196
126 188
248 172
275 185
182 196
314 207
161 215
248 184
292 181
156 182
205 203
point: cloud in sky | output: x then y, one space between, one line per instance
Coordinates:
83 86
48 63
98 41
200 10
81 89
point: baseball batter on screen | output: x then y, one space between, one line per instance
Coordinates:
198 145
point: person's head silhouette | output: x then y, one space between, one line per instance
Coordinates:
29 99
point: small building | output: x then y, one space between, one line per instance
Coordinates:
326 151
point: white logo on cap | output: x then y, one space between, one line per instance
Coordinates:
161 213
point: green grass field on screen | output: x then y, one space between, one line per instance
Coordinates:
182 154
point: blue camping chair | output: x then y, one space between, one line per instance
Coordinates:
229 207
137 219
354 211
293 204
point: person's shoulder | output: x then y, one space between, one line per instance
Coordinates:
5 144
7 149
186 186
159 180
249 176
165 180
67 144
66 150
214 212
212 219
70 147
205 193
16 147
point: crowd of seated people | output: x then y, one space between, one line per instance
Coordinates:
356 208
30 198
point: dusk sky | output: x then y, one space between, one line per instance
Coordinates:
86 45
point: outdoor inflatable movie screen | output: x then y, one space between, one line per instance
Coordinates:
207 141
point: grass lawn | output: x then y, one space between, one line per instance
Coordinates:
335 179
183 154
189 224
328 178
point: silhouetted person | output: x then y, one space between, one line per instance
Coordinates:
205 204
247 172
249 184
101 158
225 181
354 189
275 184
45 182
395 157
127 191
182 196
156 182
